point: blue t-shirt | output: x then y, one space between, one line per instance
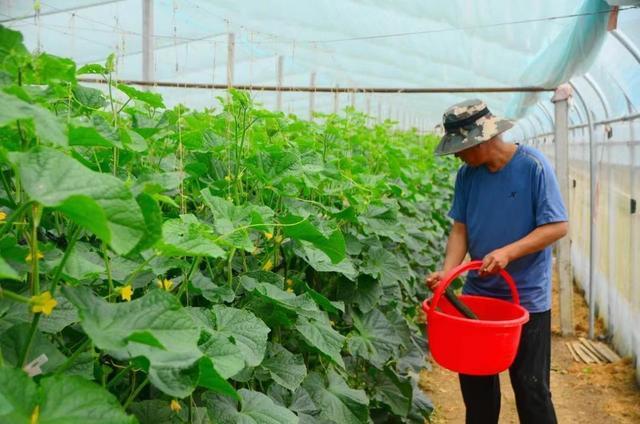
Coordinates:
501 207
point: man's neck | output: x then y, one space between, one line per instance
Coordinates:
500 155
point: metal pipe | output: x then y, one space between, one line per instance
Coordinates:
56 11
604 122
398 90
592 214
628 44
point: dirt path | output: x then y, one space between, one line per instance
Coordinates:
581 393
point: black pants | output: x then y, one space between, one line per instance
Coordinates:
529 379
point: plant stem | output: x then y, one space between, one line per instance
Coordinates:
229 267
13 296
118 376
14 217
185 283
56 277
135 393
107 263
27 348
69 362
35 273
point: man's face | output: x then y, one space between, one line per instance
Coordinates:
471 156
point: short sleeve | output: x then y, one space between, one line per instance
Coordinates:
549 206
459 206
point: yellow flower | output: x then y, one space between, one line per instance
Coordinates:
278 239
43 303
3 216
268 236
268 266
126 292
289 290
39 256
165 284
35 415
289 282
175 406
228 178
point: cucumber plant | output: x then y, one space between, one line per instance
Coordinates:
226 265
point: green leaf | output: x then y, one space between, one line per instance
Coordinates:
63 315
7 271
48 126
74 400
300 228
60 399
82 263
92 68
316 331
154 411
211 291
14 341
152 99
421 405
152 215
254 408
394 391
333 307
230 220
96 133
18 395
247 331
285 368
374 338
157 318
189 237
322 263
237 338
99 202
47 69
382 264
337 401
11 42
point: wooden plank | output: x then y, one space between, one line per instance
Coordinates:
588 345
606 352
573 353
587 358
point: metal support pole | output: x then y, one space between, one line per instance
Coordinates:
593 212
312 83
279 67
148 62
563 260
231 47
336 100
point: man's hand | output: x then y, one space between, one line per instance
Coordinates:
434 279
494 262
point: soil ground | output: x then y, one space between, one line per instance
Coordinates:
606 393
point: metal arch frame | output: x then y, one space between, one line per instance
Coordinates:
541 125
628 44
592 205
547 114
594 85
533 126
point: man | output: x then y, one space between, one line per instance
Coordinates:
507 211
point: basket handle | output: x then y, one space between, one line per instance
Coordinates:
473 265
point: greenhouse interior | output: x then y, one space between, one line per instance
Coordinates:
238 211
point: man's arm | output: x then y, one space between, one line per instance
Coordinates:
455 253
533 242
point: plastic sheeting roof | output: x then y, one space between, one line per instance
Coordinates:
355 43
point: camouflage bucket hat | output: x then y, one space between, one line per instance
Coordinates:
468 124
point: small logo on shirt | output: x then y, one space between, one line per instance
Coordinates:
512 195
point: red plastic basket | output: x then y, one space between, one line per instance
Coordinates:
476 347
